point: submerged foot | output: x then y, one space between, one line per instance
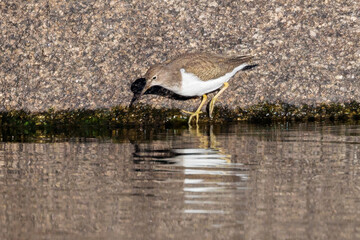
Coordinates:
211 108
198 111
193 114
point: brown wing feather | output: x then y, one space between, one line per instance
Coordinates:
206 67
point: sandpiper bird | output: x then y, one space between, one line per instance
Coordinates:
196 74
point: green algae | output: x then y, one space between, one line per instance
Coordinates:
268 112
111 118
144 115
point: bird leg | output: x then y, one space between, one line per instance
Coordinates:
198 111
212 103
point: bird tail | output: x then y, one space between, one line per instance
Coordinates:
240 59
248 67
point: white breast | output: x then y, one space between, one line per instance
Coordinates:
194 86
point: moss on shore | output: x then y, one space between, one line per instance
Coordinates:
144 115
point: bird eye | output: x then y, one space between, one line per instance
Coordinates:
154 77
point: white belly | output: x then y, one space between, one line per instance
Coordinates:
193 86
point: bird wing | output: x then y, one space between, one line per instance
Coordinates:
207 68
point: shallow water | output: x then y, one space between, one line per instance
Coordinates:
281 181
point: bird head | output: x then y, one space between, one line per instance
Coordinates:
152 77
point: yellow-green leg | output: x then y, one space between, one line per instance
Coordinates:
198 111
212 103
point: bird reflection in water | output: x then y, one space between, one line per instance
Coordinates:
205 169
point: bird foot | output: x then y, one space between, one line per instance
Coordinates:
184 111
193 114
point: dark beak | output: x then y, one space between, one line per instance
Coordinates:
137 95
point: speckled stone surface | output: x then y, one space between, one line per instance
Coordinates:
86 54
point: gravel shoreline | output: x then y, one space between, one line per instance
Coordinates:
86 54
